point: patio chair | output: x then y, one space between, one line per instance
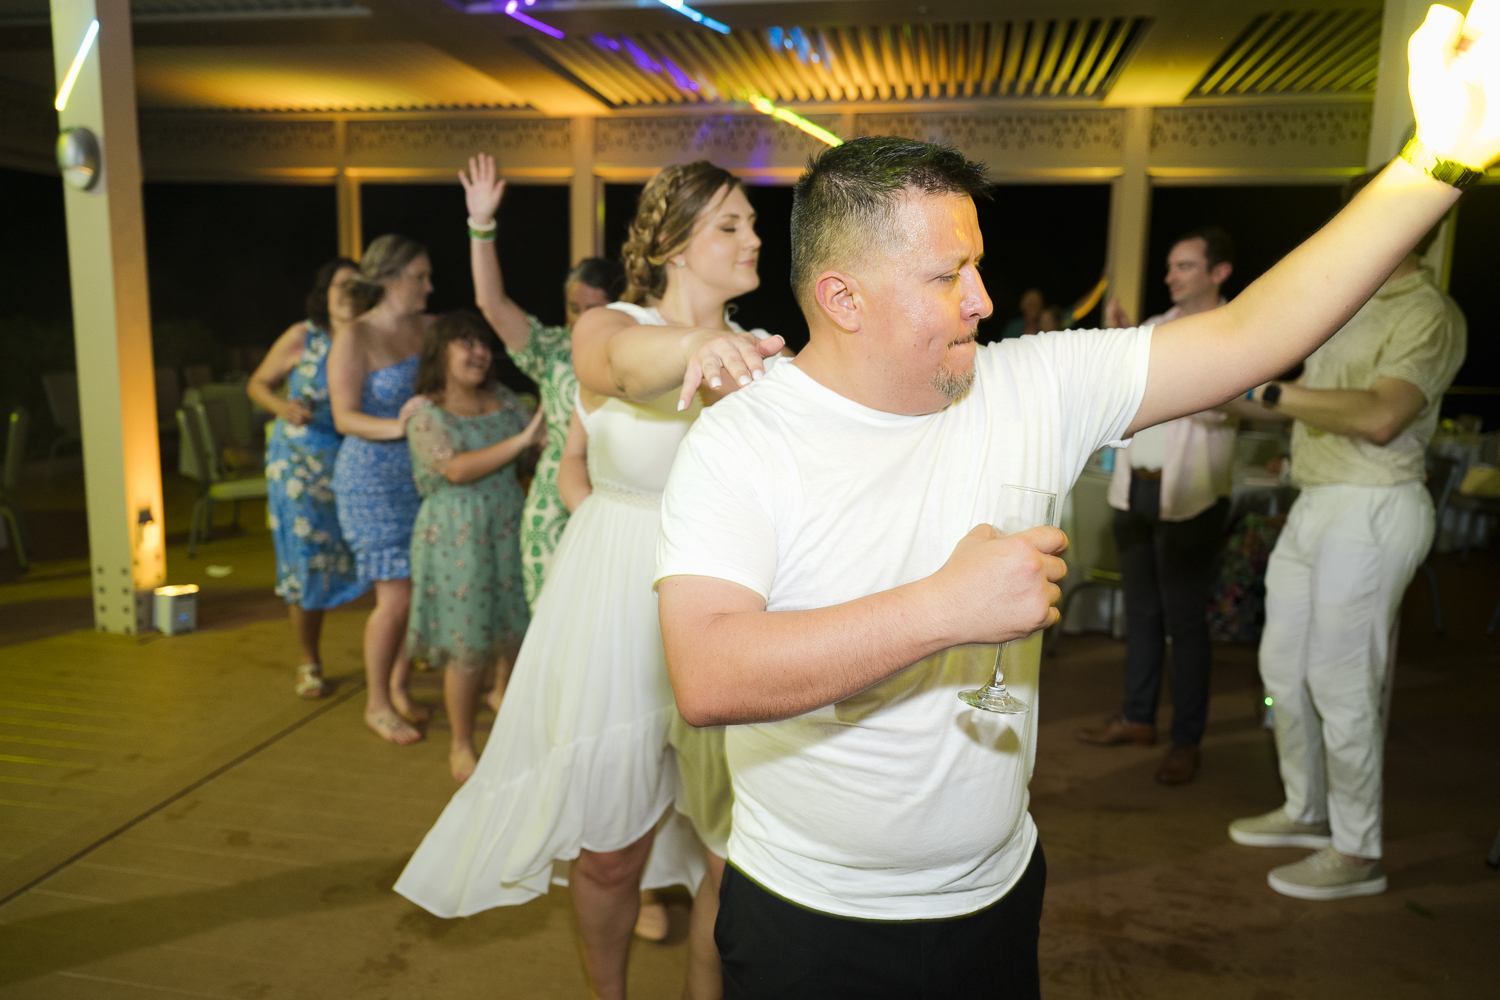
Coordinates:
15 454
198 376
1442 476
1092 554
1473 508
62 401
200 461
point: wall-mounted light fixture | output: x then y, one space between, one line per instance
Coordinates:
66 90
78 157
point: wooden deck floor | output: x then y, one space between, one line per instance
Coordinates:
176 824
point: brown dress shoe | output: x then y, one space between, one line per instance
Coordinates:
1179 766
1119 731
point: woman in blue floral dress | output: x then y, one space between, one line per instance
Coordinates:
314 568
372 369
468 606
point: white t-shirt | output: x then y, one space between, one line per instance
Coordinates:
900 802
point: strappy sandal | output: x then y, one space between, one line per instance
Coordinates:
310 682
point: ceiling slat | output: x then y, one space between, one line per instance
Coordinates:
1036 38
1097 33
890 61
907 61
1275 60
1119 32
1069 58
1341 32
1299 52
1010 76
1056 35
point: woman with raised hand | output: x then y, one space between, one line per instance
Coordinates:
468 610
372 371
589 761
544 353
314 568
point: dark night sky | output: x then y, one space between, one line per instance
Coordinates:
237 258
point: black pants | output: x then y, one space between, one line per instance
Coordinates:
1167 568
776 950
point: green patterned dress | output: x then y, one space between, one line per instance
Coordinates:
467 605
547 359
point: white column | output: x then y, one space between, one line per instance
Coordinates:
1130 214
585 196
112 320
1391 118
350 220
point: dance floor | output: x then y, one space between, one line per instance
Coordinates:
173 822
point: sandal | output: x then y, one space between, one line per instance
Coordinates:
310 682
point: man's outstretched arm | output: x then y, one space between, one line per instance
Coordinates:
731 661
1205 359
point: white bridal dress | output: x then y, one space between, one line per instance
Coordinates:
588 750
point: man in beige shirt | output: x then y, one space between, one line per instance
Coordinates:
1364 410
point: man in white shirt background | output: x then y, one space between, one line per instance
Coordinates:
1169 493
1365 409
825 591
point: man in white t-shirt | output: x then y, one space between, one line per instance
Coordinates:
825 591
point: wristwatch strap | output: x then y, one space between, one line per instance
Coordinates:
1450 172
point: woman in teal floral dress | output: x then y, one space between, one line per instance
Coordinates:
544 353
314 568
468 608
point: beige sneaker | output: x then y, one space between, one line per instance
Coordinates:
1276 829
1326 875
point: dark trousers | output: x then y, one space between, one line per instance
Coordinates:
773 949
1167 568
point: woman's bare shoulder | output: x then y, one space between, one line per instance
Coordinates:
602 321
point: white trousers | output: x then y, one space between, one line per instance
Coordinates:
1333 593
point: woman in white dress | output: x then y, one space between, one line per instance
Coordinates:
588 756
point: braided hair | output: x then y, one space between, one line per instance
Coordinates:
664 221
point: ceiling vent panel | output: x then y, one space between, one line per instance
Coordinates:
1299 52
1074 59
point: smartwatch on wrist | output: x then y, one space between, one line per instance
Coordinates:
1450 172
1270 394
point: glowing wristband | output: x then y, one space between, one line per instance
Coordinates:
1450 172
482 235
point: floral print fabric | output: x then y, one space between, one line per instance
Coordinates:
377 500
314 568
468 606
547 359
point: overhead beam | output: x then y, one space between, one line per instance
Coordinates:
1178 49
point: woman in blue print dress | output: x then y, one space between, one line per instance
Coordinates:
314 568
372 370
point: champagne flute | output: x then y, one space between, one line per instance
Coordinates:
1020 508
